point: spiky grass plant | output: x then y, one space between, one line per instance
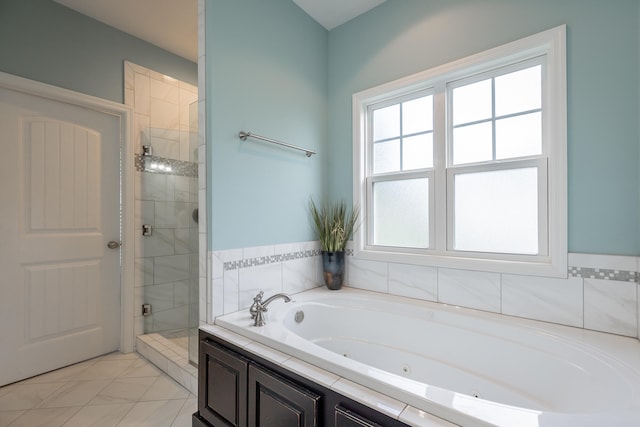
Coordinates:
334 224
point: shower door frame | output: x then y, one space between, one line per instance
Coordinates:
127 187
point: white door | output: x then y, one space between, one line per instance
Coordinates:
59 208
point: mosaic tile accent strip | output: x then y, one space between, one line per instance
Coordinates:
272 259
162 165
603 274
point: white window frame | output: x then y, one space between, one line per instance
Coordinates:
552 260
428 173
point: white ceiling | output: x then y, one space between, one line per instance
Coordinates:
173 25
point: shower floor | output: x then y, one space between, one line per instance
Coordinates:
169 351
179 338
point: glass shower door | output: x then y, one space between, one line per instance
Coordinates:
194 265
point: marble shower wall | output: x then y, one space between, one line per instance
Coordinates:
167 261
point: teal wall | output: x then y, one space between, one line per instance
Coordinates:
266 65
44 41
402 37
272 70
266 72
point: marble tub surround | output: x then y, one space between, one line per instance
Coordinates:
238 275
600 292
380 402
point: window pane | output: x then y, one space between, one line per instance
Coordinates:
519 91
519 136
401 213
472 143
417 115
417 152
472 102
386 122
497 211
386 156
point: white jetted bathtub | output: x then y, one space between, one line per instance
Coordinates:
469 367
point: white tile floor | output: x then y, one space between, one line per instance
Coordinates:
122 390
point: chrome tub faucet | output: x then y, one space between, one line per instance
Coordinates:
259 307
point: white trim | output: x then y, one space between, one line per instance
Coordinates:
21 84
127 171
550 43
206 288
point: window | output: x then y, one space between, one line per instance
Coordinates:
464 166
402 171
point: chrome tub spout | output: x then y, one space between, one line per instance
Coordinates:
259 307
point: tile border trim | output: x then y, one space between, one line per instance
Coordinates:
274 259
271 259
603 274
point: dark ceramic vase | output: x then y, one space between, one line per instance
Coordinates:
333 269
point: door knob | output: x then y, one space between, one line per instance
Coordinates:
113 244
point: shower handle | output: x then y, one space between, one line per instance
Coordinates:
113 244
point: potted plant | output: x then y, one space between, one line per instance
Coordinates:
333 225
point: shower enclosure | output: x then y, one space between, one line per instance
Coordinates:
165 130
169 230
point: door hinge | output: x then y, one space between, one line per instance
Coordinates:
146 309
147 230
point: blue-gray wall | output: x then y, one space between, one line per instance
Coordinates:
402 37
44 41
272 70
266 72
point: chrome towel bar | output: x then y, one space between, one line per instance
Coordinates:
244 135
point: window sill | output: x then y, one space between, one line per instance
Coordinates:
543 266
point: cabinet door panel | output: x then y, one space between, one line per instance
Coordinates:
276 402
222 393
346 418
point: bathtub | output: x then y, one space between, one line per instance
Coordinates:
469 367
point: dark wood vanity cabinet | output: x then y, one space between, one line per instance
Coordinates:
346 418
239 389
222 386
274 401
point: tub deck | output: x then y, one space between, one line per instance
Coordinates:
462 365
